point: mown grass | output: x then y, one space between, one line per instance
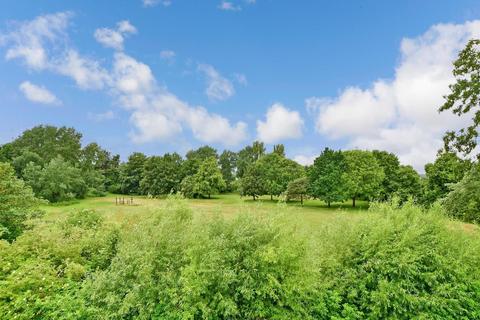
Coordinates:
312 213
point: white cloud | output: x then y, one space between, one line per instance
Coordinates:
156 113
168 55
281 124
114 38
87 73
241 79
218 87
99 117
38 94
152 3
304 160
126 27
42 45
229 6
28 40
401 115
160 115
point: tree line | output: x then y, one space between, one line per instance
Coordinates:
54 164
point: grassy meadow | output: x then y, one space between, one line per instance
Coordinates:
311 215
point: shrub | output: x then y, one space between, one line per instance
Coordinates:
402 263
463 202
394 263
17 204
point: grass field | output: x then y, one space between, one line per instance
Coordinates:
312 213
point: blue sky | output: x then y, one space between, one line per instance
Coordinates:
161 76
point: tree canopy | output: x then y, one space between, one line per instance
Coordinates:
17 203
464 98
363 175
326 177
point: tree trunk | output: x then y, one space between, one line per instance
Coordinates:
254 198
301 199
271 197
328 203
209 196
353 202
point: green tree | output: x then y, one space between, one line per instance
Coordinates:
227 162
17 204
252 183
447 169
208 180
194 158
326 177
258 150
463 202
162 175
363 175
48 142
277 172
464 98
391 166
131 173
20 163
409 184
279 149
248 155
297 189
57 181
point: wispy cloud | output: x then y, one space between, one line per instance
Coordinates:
114 38
218 87
168 55
156 113
152 3
100 117
38 94
229 6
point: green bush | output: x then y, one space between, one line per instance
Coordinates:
17 204
397 263
463 202
403 263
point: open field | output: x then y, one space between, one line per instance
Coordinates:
312 213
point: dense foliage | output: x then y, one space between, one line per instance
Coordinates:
463 202
464 98
17 204
167 264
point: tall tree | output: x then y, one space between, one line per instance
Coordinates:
17 203
247 157
279 149
207 181
297 189
131 173
409 184
20 163
463 202
194 158
227 162
391 166
252 183
57 181
464 98
48 142
259 149
363 175
326 177
447 169
277 172
162 175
